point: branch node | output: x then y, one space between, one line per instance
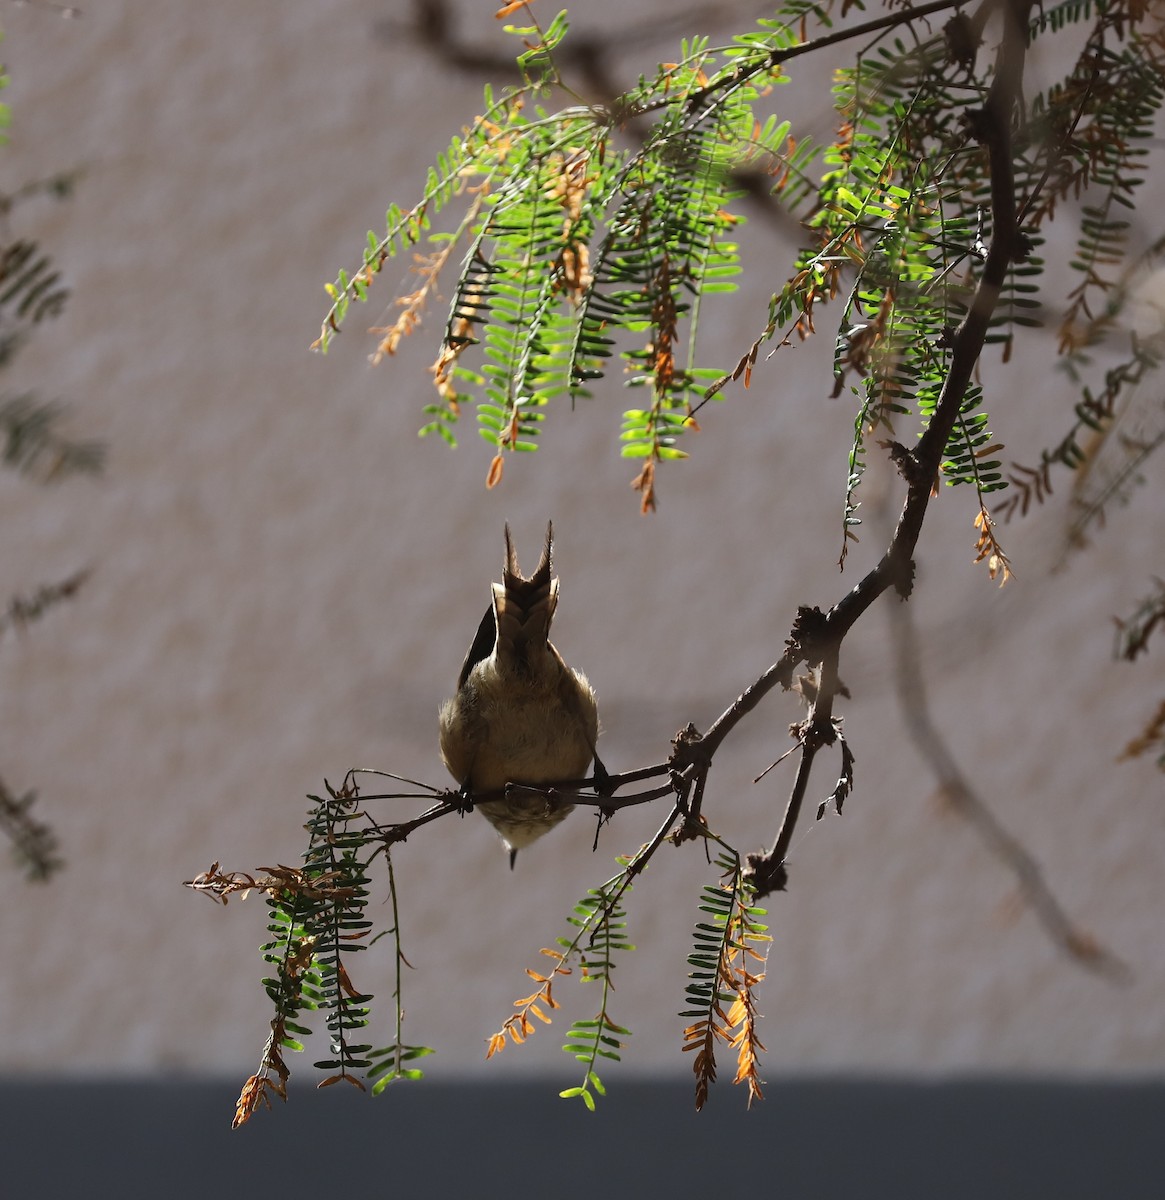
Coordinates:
765 875
902 577
810 629
978 125
689 829
688 750
817 732
963 40
904 462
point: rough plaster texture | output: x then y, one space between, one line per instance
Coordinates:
286 579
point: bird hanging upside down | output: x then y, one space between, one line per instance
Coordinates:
520 715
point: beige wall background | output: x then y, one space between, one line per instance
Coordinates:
286 579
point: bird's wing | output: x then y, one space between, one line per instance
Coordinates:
482 647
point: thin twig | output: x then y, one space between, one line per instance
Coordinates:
560 795
776 58
398 831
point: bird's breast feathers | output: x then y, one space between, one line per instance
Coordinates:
541 729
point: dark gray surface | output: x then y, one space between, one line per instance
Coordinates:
984 1140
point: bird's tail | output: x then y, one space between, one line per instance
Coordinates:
524 607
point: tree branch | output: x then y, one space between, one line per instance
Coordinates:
776 58
816 638
920 466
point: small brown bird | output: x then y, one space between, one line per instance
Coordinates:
520 715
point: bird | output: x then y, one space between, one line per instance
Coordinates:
520 715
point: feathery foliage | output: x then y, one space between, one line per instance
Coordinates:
34 445
33 842
601 918
582 231
578 248
318 923
600 923
31 443
581 243
726 966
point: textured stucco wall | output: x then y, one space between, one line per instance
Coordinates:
286 580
